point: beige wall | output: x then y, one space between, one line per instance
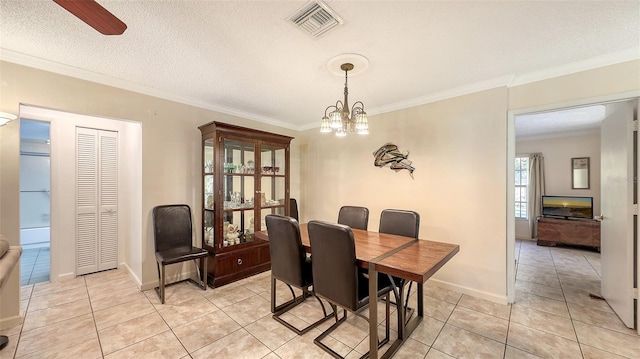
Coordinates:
557 153
459 147
170 149
600 83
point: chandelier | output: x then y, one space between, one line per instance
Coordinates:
340 118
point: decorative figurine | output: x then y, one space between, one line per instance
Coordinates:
232 234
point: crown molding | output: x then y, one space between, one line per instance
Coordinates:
443 95
562 134
508 81
578 66
51 66
438 96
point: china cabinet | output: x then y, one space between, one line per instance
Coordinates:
245 176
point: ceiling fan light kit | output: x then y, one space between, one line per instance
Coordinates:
94 15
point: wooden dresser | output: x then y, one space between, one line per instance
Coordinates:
553 231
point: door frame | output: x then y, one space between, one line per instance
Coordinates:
511 153
62 131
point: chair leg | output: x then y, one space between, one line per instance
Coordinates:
195 264
202 281
273 294
205 274
318 340
406 304
160 288
387 317
387 337
278 310
398 293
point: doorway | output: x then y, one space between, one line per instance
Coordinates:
35 201
63 222
515 246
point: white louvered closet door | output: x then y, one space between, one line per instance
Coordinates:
96 200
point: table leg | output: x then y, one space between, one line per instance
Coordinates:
420 299
401 314
373 311
404 331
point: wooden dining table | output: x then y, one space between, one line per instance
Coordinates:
404 257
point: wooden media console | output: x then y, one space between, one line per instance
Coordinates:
554 231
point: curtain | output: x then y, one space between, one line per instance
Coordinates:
536 190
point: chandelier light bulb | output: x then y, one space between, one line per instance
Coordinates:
362 122
324 125
336 120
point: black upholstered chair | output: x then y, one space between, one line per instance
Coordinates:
290 265
172 233
293 209
337 279
402 223
354 217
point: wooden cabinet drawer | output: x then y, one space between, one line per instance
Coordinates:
238 260
231 266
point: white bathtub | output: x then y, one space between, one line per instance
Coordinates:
35 237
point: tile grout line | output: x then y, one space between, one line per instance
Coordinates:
22 324
93 315
575 332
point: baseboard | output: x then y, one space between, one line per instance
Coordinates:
169 279
10 322
499 299
522 238
63 277
132 274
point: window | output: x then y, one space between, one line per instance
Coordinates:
522 186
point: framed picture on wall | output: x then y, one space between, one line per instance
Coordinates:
580 173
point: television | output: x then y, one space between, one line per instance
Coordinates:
568 207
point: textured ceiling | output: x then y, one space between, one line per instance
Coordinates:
244 58
559 123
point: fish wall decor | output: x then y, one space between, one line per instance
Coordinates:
389 155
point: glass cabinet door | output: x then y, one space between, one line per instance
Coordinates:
272 181
239 189
209 193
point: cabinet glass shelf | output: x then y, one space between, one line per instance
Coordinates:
245 177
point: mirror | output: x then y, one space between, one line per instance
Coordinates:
580 173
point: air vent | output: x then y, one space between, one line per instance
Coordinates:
315 18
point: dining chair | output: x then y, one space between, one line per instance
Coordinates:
401 223
290 265
354 217
172 234
337 279
293 209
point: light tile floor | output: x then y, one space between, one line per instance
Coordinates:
104 315
34 265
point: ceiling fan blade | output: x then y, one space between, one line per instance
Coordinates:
94 15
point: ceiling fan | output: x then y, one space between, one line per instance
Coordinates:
94 15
